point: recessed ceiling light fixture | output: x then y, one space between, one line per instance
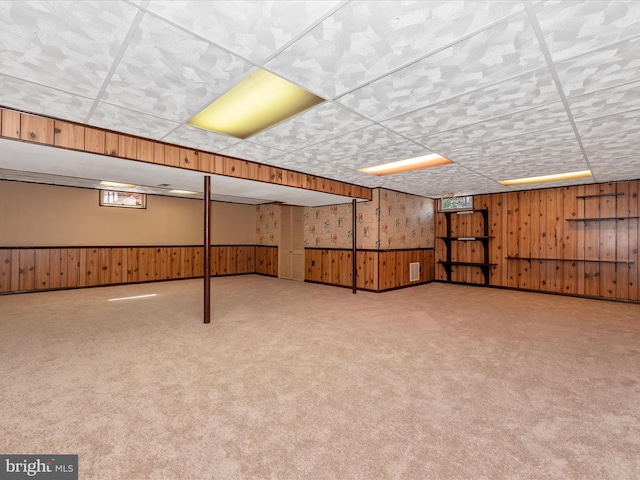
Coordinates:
116 184
548 178
256 103
417 163
183 192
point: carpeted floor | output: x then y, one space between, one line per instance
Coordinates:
304 381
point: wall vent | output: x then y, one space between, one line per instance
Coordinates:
414 272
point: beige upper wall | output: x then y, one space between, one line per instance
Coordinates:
47 215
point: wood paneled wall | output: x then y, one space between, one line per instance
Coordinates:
580 240
266 260
378 270
44 130
32 269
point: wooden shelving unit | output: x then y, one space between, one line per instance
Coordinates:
484 266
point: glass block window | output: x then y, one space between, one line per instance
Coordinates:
111 198
449 204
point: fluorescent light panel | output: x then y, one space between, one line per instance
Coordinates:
256 103
548 178
183 192
417 163
116 184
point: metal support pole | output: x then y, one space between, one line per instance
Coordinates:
207 250
354 261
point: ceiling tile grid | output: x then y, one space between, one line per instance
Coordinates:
254 30
520 93
170 73
316 125
474 81
125 120
197 138
32 97
67 45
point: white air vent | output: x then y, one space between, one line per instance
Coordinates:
414 272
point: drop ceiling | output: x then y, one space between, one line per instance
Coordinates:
505 89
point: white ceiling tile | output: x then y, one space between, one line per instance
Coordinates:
250 151
64 44
194 137
601 69
521 93
496 129
35 98
251 29
617 165
313 126
364 40
606 102
447 179
542 160
172 74
392 153
572 27
613 145
123 120
365 139
503 51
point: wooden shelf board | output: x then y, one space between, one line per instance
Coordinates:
468 264
600 195
571 260
595 219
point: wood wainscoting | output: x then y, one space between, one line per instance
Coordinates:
24 269
579 240
378 270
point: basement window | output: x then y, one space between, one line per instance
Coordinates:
112 198
452 204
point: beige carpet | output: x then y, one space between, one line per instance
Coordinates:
303 381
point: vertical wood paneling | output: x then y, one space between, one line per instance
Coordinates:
117 268
112 144
5 270
175 262
622 241
26 269
524 239
94 140
554 278
144 150
535 241
607 242
171 156
513 266
36 129
127 147
591 241
10 126
189 159
568 248
82 267
634 240
68 135
15 270
143 264
42 268
367 265
158 153
73 267
92 267
55 267
497 250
